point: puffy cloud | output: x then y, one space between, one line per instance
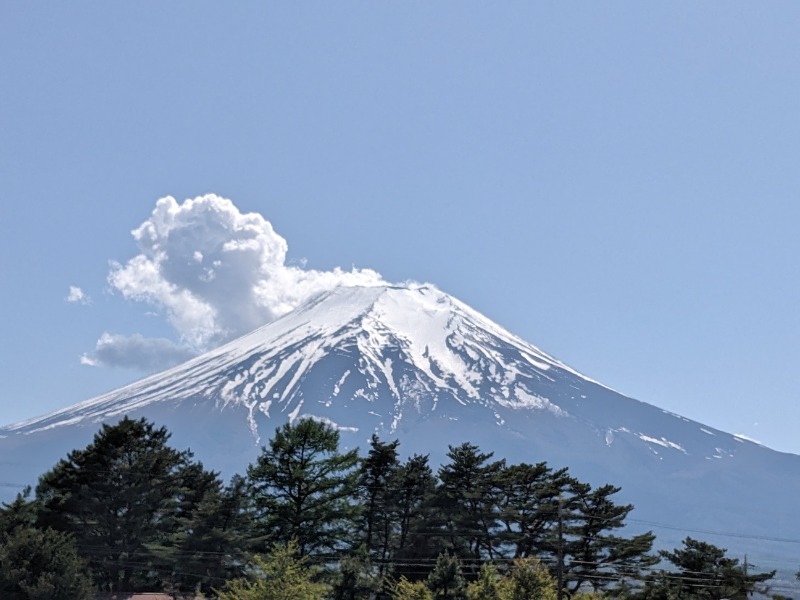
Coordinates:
136 351
217 273
77 296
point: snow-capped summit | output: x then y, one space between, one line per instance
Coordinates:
387 347
414 363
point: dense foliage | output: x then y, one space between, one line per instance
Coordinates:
129 513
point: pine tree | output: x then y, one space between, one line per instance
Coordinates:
119 496
704 572
416 515
528 505
487 586
207 546
356 578
468 495
303 488
405 589
446 581
41 565
377 497
595 556
281 575
21 512
528 579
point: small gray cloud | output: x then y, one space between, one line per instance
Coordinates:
136 352
77 296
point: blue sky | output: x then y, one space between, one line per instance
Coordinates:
616 183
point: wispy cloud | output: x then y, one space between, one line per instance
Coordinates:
136 351
77 296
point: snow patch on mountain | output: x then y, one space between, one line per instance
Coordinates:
329 422
739 437
662 442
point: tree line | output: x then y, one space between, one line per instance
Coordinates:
307 520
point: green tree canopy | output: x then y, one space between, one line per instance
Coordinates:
404 589
415 516
206 545
446 581
120 496
468 497
528 506
704 571
527 579
487 586
376 492
41 565
280 575
595 556
304 489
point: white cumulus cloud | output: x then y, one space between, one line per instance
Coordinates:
77 296
217 273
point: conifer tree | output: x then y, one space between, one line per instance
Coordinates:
41 565
303 488
528 506
119 496
377 497
405 589
281 575
594 555
416 516
446 581
207 546
21 512
355 579
528 579
704 572
487 586
468 497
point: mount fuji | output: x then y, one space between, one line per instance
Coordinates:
413 363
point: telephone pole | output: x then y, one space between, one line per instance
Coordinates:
560 566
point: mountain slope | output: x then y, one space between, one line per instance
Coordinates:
417 364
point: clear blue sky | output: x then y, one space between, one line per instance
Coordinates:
617 183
